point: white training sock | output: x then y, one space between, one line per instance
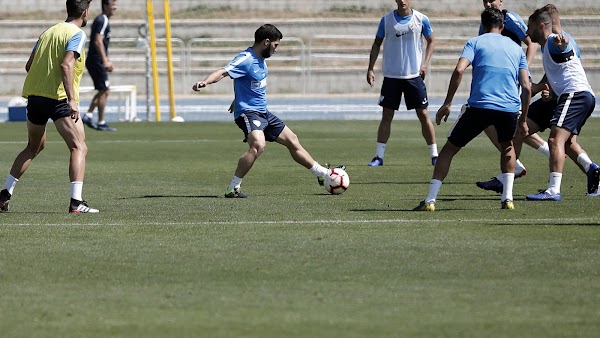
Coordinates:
76 190
585 161
10 183
433 150
89 115
544 149
554 183
236 182
507 180
380 150
434 189
318 170
102 122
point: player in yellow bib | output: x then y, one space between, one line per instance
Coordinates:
54 71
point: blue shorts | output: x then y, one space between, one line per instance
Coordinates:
98 74
40 109
541 112
268 123
474 120
415 93
573 110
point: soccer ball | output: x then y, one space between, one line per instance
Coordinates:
337 181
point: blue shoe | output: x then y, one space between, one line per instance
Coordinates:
376 162
88 122
434 160
543 195
593 176
493 185
105 127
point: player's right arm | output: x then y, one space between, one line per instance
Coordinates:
99 44
213 77
31 57
455 80
375 52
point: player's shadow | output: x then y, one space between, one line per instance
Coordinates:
171 196
406 183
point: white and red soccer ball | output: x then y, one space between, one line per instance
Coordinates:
337 181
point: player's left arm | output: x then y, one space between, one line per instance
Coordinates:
67 68
428 34
561 41
525 100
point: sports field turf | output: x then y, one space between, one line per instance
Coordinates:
168 256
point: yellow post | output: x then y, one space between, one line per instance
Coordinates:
172 113
150 10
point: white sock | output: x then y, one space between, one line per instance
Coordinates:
380 150
544 149
89 115
236 182
102 122
507 180
585 161
554 183
76 190
10 183
433 150
519 167
434 189
318 170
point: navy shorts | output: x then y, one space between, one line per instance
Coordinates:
98 74
541 112
415 93
573 110
40 109
268 123
474 120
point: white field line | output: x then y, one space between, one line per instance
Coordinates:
519 221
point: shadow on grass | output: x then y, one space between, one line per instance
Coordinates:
171 196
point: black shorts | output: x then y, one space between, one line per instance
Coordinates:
40 109
98 74
268 123
541 112
414 90
573 110
474 120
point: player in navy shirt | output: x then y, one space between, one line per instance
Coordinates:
499 67
249 73
99 65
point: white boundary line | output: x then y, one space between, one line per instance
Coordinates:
541 222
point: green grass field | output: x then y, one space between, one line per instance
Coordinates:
168 256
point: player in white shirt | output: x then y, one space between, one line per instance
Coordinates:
404 69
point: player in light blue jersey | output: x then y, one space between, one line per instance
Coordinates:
576 100
249 73
516 30
404 69
499 67
538 119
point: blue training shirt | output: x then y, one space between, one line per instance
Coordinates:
249 74
514 27
427 31
496 62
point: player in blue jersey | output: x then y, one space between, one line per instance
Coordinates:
576 100
99 65
404 69
499 67
249 73
539 117
516 30
54 71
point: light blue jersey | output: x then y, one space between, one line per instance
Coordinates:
249 74
514 27
496 62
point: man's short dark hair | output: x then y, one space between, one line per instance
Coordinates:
267 31
105 3
540 15
75 8
492 18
